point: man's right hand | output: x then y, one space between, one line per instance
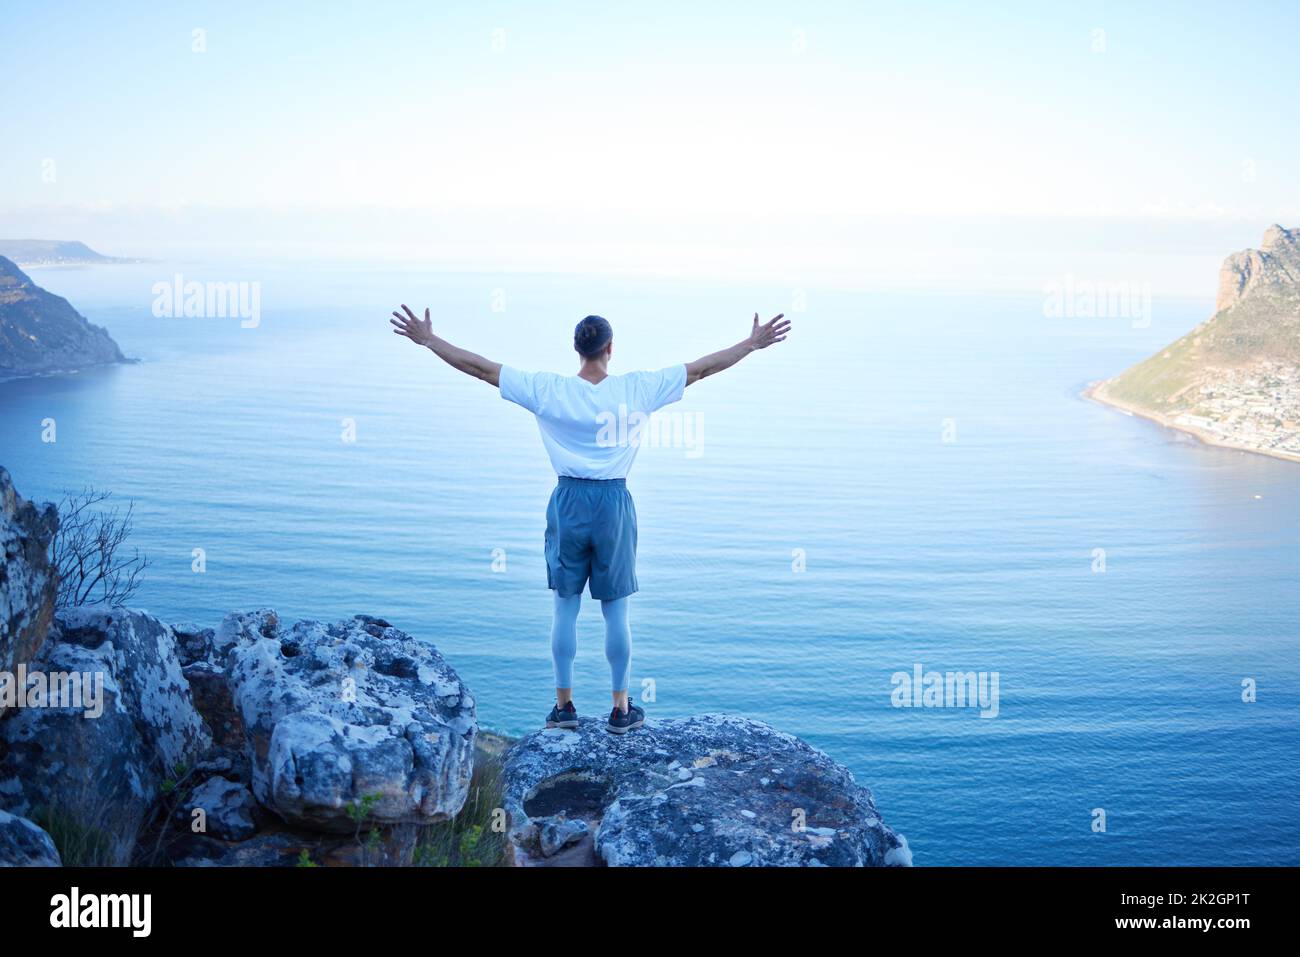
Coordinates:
760 337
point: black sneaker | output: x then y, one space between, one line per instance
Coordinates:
621 722
566 717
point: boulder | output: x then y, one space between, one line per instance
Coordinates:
349 719
709 790
557 832
94 762
228 810
23 844
27 579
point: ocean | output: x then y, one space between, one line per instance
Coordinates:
912 480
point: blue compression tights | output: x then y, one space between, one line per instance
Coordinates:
618 640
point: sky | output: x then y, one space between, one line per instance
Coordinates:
549 132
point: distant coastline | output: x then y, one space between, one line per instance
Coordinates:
41 253
1097 392
77 263
7 377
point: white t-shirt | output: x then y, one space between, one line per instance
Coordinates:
593 431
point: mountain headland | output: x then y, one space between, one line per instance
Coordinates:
1234 380
42 333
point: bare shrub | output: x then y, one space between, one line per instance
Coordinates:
90 554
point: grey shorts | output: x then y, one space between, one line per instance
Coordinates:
591 535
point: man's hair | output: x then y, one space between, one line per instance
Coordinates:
591 336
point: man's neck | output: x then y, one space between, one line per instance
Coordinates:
593 372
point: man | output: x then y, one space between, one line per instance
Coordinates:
591 520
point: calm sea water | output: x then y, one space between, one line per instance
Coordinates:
1119 690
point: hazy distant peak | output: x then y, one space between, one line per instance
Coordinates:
34 252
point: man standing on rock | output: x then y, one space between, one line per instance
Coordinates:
590 520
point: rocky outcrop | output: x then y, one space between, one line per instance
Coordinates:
1272 268
28 582
354 735
23 844
349 718
260 744
710 790
41 332
114 724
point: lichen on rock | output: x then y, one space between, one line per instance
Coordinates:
348 718
708 790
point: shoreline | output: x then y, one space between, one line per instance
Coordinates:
1096 392
6 377
77 263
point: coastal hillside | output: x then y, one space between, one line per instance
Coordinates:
41 332
51 252
1235 378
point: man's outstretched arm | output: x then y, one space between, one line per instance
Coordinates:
760 337
420 331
